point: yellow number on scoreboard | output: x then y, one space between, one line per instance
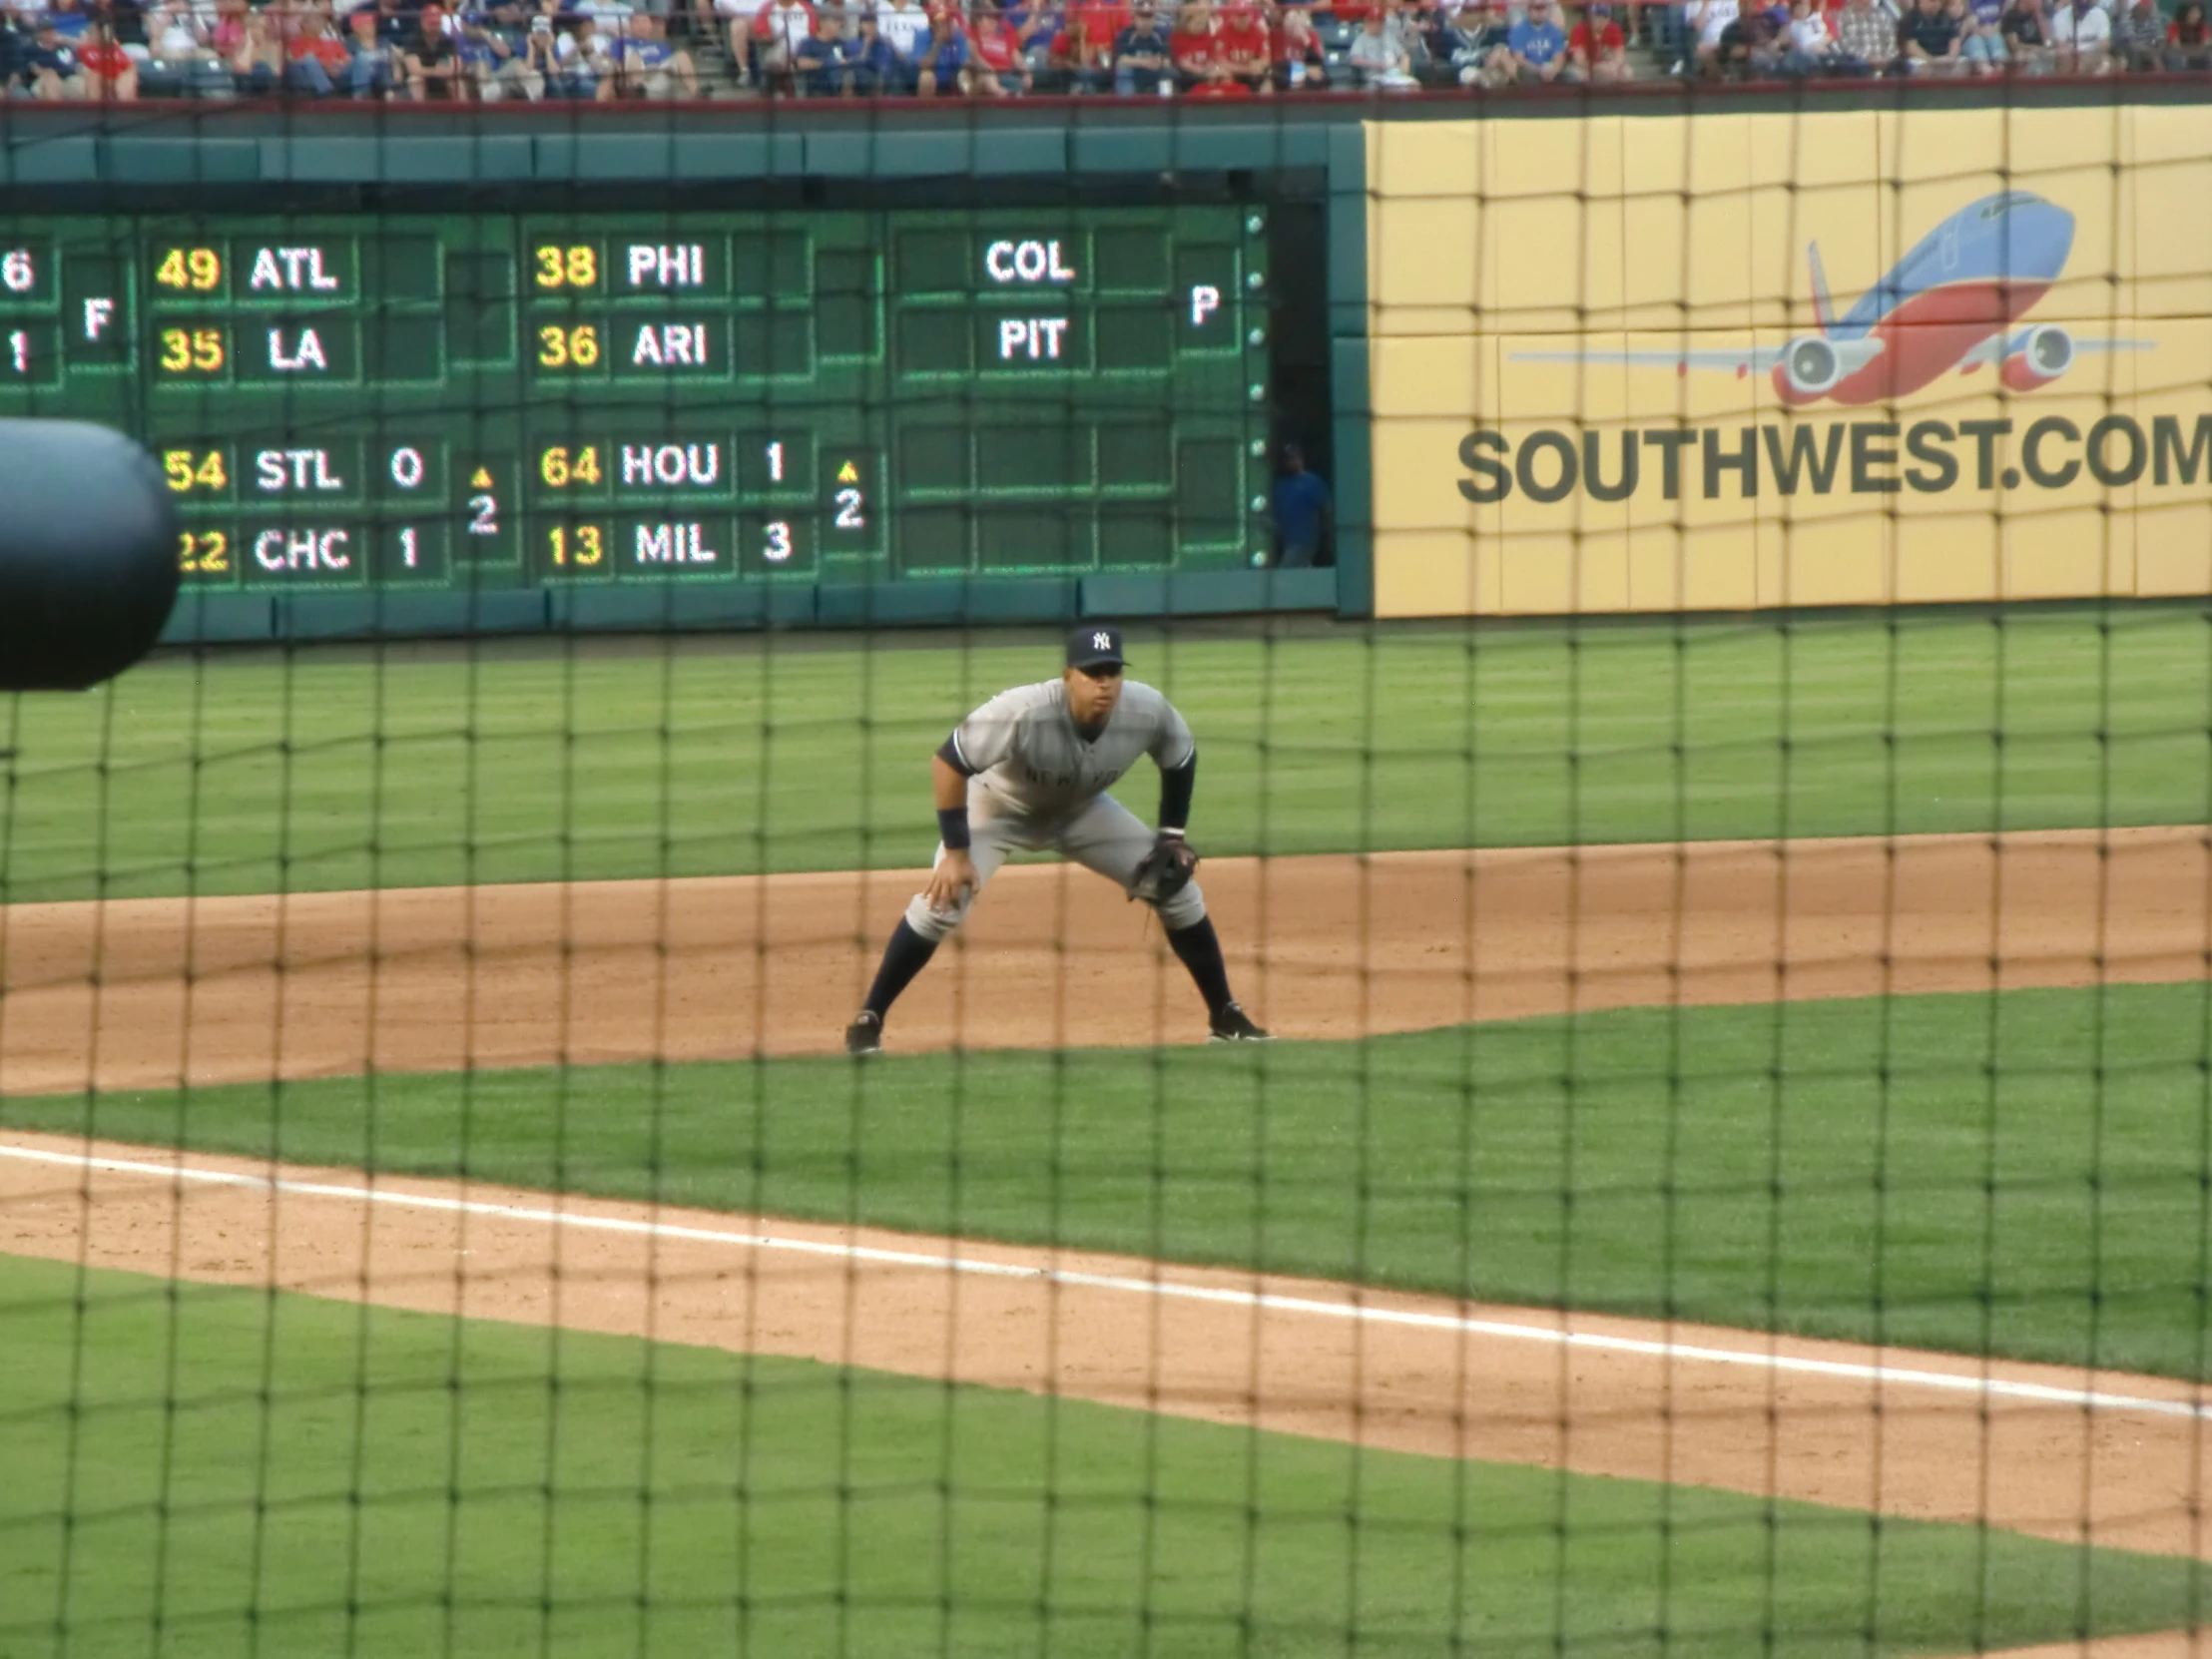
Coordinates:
587 547
573 268
197 269
576 347
190 470
191 350
204 552
561 468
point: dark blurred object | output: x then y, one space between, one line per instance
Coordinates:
88 554
1303 512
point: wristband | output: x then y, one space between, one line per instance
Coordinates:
1171 835
953 828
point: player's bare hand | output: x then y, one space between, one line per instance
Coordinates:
951 882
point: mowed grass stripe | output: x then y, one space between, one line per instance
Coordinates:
2026 1174
205 1468
320 772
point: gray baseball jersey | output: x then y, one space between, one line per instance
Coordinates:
1028 758
1037 787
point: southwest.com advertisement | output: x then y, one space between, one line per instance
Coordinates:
1835 358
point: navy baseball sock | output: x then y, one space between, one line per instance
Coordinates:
906 955
1198 947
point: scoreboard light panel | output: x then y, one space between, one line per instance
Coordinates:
391 401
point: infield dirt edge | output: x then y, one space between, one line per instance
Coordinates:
2128 1479
152 993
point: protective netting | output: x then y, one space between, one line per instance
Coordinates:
509 1143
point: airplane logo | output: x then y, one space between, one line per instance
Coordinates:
1950 302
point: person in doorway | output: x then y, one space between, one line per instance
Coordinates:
1301 511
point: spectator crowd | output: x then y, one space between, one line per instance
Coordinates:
1799 39
593 50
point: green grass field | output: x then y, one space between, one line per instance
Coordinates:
204 1472
281 1475
260 775
2026 1175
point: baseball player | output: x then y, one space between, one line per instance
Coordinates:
1030 770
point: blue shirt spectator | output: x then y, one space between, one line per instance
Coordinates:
815 68
1301 510
477 58
939 59
374 69
69 20
871 64
1033 25
1537 41
648 64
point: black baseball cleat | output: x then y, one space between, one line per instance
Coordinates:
1234 1025
865 1034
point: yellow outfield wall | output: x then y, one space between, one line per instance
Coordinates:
1602 380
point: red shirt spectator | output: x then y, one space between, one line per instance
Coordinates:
332 52
104 57
1356 12
1243 42
1104 19
1079 47
1191 47
1588 46
992 47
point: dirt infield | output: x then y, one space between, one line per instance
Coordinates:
145 992
1404 1372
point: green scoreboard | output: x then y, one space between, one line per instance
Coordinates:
369 400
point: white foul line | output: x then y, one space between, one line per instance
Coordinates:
1988 1388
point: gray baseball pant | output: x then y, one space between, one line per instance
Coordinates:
1105 836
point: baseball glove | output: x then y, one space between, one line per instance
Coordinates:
1164 872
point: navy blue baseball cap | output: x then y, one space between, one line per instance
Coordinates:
1095 645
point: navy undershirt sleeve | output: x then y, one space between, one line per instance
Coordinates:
951 756
1176 783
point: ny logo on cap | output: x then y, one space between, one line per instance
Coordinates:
1102 642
